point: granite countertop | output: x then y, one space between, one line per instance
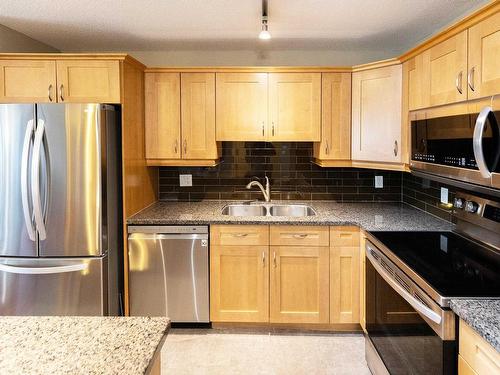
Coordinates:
79 345
369 216
483 315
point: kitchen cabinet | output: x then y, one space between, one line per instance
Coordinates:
88 81
445 70
299 284
268 106
294 107
239 283
180 119
344 275
362 289
476 355
163 117
483 58
335 143
198 116
241 106
376 115
239 273
27 81
413 73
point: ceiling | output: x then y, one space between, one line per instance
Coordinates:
154 25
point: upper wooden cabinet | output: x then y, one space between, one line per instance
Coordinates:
376 115
27 81
413 71
484 58
445 70
241 108
268 106
81 81
335 118
198 116
163 118
180 119
294 107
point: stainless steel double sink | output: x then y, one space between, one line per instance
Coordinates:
268 209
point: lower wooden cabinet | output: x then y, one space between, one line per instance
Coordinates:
299 284
239 283
477 356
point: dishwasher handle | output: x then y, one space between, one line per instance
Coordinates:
161 236
168 229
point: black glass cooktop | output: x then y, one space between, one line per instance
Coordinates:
453 265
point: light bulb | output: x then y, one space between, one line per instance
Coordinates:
264 34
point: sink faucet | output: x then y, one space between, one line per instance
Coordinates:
266 192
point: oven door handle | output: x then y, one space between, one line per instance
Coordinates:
415 303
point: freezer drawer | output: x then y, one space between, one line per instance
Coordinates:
169 276
70 286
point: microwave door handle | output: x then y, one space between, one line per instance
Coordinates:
477 141
415 303
24 180
35 180
43 270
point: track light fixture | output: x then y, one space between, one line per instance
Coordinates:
264 34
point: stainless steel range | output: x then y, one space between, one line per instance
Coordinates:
410 278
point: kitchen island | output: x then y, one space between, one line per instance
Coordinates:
81 345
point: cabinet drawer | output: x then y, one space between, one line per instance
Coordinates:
235 235
478 353
299 235
344 236
464 368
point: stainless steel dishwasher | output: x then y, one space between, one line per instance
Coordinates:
168 272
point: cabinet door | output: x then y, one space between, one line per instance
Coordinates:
241 106
484 58
163 117
335 117
27 81
88 81
294 107
198 116
413 72
299 284
239 284
344 284
445 70
376 115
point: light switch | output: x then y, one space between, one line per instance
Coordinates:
379 182
444 195
186 180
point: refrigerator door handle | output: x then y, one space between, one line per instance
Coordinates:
24 180
43 270
35 180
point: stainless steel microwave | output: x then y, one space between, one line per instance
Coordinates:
460 143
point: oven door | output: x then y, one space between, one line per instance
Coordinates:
407 332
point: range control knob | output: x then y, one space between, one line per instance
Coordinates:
471 207
458 203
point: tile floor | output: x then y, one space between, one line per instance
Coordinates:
228 352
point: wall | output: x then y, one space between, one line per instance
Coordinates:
292 175
13 41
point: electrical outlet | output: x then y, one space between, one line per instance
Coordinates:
444 195
186 180
379 182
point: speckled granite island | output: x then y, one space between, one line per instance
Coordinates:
369 216
80 345
483 315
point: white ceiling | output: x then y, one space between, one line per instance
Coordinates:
153 25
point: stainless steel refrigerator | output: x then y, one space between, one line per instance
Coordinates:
59 209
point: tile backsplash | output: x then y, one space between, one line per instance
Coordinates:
292 174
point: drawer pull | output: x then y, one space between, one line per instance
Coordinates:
274 259
239 235
300 236
264 258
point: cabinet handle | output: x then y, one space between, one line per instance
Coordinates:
300 235
185 146
470 78
264 258
239 235
458 82
396 148
49 92
61 92
262 128
327 149
274 259
273 129
175 146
